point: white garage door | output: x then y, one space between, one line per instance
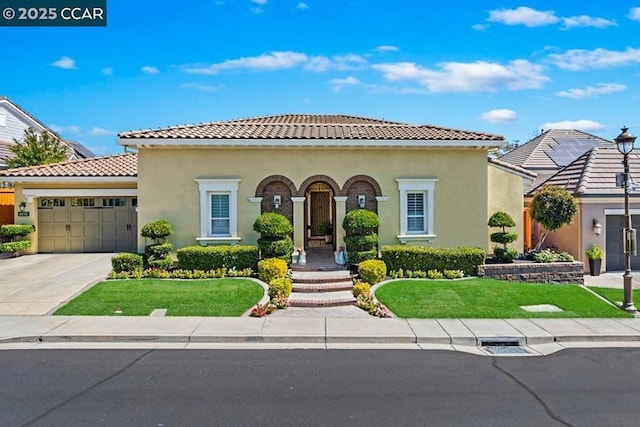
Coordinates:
87 224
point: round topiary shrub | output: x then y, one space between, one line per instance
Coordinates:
271 268
361 239
280 288
271 224
158 231
372 271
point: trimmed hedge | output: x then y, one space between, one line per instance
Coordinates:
126 262
272 268
14 230
17 246
206 258
424 258
372 271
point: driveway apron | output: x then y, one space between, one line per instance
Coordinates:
38 284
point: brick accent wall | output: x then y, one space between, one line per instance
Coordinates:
286 206
361 188
556 272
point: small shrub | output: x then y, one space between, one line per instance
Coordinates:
17 246
157 230
126 262
594 252
505 256
372 271
15 230
565 257
453 274
161 263
545 256
261 310
280 302
271 268
280 287
360 287
434 274
366 302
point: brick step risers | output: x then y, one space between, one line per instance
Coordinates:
332 299
298 267
318 280
322 287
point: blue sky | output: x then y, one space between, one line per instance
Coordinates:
510 68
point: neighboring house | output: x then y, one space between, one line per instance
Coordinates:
14 120
429 185
591 179
550 151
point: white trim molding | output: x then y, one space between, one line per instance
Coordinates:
298 199
382 198
255 199
340 199
208 186
32 193
407 185
621 211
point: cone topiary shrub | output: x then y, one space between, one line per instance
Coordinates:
361 239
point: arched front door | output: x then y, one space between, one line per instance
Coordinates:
320 215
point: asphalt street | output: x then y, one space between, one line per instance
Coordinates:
579 387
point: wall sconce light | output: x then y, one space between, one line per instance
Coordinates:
277 201
361 201
597 227
22 206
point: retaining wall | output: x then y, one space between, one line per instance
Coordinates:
555 272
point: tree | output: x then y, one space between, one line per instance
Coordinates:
552 207
503 220
36 149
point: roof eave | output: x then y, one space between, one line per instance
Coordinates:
70 179
337 143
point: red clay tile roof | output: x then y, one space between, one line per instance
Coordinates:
118 165
594 173
310 126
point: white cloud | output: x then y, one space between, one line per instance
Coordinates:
72 130
266 62
107 71
338 84
501 115
579 59
65 63
468 77
302 6
201 86
96 131
583 125
479 27
587 21
590 91
523 16
349 61
634 13
147 69
387 48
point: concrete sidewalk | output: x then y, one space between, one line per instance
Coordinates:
545 335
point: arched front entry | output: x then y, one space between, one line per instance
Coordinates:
320 215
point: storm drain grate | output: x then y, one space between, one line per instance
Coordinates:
503 345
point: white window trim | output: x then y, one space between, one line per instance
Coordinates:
207 187
408 185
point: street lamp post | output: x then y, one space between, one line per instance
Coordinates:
625 142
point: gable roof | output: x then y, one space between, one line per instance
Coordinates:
114 166
594 173
512 168
304 127
553 149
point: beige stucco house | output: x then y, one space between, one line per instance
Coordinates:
429 185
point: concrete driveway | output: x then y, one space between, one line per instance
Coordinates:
38 284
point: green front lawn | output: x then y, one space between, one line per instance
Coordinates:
486 298
213 297
616 295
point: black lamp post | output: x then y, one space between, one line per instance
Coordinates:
625 145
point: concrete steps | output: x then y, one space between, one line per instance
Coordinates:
321 289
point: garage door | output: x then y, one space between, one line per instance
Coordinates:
87 224
615 245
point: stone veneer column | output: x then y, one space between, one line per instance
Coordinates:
298 222
341 211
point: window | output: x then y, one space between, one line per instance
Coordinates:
415 213
114 202
416 209
220 214
218 210
80 202
50 203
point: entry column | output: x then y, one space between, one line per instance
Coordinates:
298 221
341 211
254 211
